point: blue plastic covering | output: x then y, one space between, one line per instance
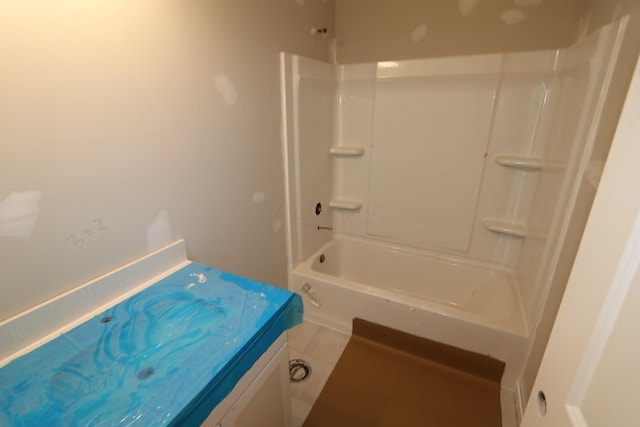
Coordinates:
166 356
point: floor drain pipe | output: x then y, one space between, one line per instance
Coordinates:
299 370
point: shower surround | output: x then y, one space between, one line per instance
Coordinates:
448 183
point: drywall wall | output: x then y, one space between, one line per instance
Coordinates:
601 12
375 30
126 124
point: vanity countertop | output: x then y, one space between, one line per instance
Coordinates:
165 356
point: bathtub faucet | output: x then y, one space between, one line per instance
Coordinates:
325 228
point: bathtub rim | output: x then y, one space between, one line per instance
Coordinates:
438 256
412 302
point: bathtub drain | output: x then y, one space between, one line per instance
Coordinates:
299 370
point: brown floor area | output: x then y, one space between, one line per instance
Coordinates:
389 378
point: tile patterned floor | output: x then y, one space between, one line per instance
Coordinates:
321 347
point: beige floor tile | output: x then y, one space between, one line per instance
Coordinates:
299 412
302 335
294 353
327 345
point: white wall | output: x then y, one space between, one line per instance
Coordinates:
376 30
128 123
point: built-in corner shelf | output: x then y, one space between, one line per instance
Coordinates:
350 205
346 151
503 227
529 164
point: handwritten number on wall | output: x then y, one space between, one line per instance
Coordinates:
101 228
75 241
97 231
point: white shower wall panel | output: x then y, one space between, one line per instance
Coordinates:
535 265
310 87
316 107
354 115
586 70
354 123
428 176
430 138
525 109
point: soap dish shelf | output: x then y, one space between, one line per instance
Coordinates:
346 151
503 227
529 164
350 205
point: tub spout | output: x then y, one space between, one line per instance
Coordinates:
324 228
306 291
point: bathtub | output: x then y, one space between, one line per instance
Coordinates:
466 305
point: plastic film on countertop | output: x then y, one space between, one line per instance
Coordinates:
167 355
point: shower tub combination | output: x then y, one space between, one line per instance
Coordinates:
448 184
391 258
446 300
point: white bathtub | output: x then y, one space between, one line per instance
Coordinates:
468 306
